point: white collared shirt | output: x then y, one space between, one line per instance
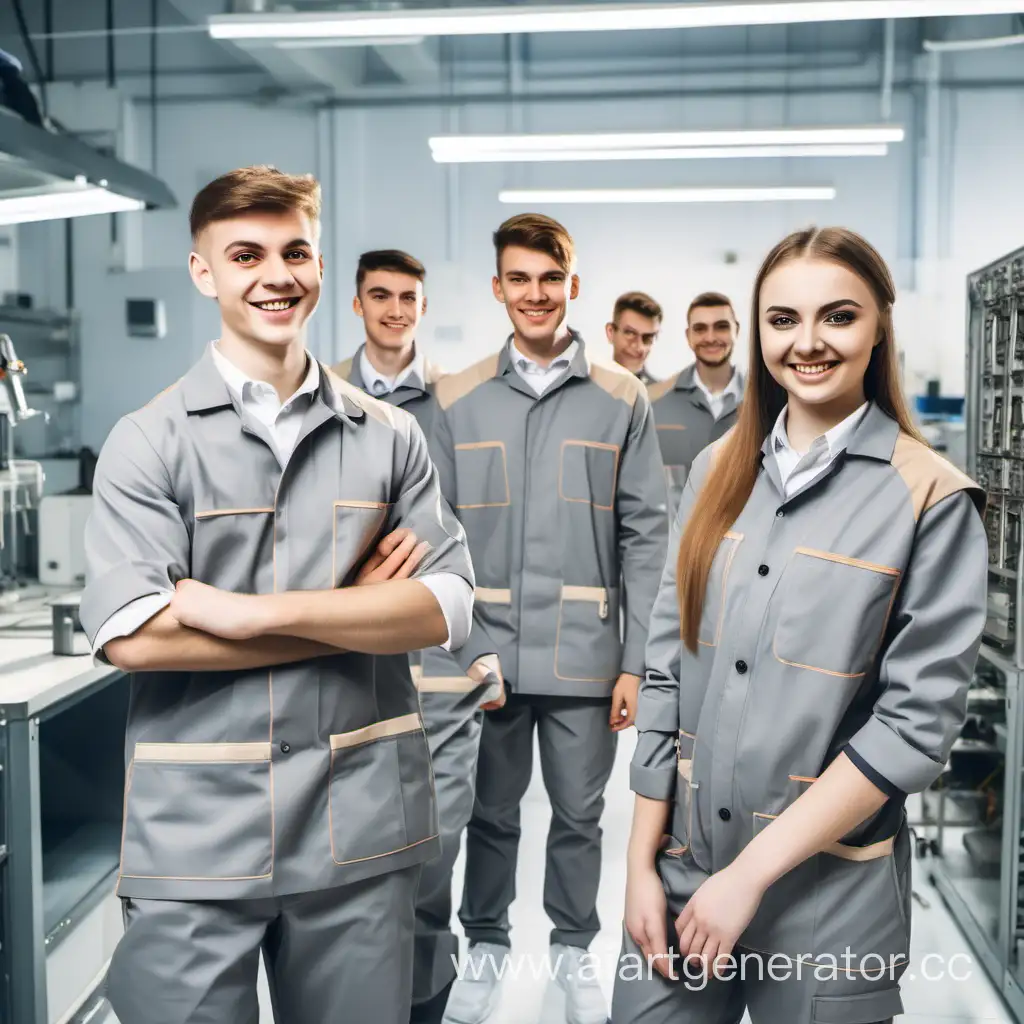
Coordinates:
540 378
282 419
717 402
796 469
284 422
377 384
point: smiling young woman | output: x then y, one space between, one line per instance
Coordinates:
812 642
822 300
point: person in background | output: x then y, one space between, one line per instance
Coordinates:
632 332
279 798
553 467
810 653
392 366
699 404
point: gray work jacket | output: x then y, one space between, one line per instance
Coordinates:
414 395
563 504
847 617
434 670
685 426
314 774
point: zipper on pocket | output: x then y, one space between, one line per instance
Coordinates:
602 608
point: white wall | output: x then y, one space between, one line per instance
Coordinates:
196 143
673 252
383 190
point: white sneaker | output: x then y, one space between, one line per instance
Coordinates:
576 974
474 996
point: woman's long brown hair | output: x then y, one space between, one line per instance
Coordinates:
734 470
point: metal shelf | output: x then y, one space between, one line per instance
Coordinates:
986 904
44 319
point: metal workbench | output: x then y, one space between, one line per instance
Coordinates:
61 794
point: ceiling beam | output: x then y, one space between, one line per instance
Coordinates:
414 65
337 69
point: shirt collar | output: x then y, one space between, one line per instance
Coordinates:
242 385
377 384
832 441
732 388
524 362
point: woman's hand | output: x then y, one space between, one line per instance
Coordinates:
717 915
647 917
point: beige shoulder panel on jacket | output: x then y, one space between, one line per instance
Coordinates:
451 388
928 475
343 369
432 373
380 411
661 388
166 391
619 383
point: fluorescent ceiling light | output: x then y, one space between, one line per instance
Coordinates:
454 156
336 42
458 21
526 197
832 136
76 202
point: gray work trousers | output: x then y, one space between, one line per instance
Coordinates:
338 956
453 724
577 754
773 988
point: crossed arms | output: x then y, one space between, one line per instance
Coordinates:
138 547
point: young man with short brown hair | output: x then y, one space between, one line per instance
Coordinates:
391 365
551 463
279 797
699 404
632 332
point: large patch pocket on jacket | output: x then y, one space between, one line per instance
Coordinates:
381 798
834 612
587 644
716 591
481 469
198 811
588 473
357 527
229 546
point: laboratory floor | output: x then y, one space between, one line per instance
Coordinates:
529 1000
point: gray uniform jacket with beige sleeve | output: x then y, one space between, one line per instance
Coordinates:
249 784
846 618
563 504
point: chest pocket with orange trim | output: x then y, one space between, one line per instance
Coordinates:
834 612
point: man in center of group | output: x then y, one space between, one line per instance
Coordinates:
632 332
392 366
699 404
552 465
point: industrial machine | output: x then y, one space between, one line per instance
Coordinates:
976 805
21 481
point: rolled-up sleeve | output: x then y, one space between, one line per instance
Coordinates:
930 654
653 769
136 543
455 596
